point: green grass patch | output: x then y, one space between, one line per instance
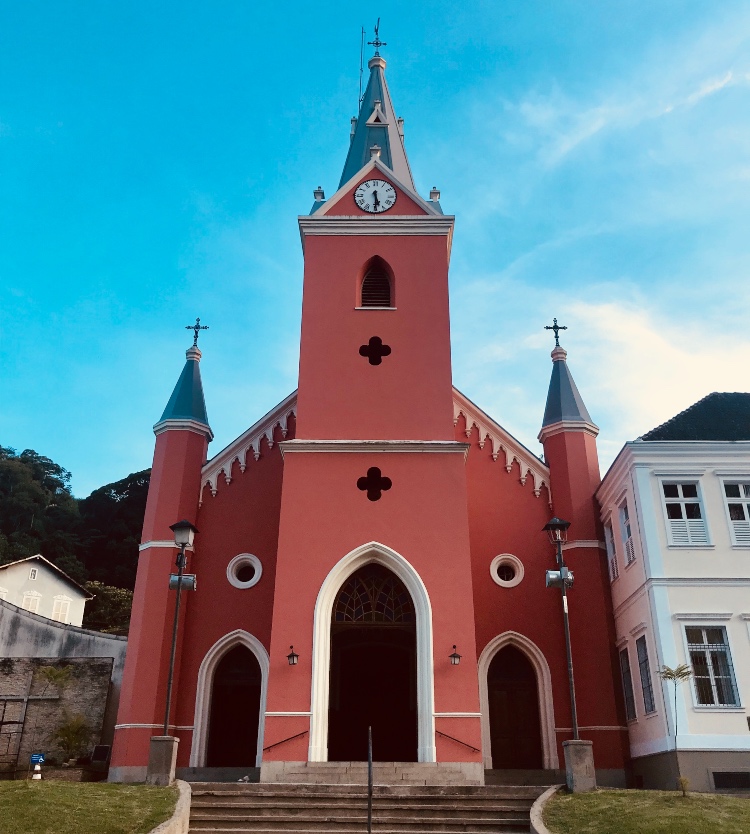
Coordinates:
647 812
28 807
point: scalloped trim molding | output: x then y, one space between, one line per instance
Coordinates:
501 441
247 441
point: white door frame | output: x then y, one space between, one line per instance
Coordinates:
550 759
380 554
205 691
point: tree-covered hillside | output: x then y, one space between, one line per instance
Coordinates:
94 539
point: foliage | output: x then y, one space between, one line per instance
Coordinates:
109 610
72 736
83 807
677 675
646 812
684 784
111 520
57 676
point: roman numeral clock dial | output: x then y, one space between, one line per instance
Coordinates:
375 196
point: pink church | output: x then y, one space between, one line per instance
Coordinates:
371 552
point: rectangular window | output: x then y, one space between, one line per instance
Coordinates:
737 496
609 540
31 603
713 673
627 685
627 535
60 610
645 671
33 573
685 522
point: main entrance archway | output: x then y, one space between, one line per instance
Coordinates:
373 676
235 706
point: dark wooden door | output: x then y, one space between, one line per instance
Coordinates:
514 711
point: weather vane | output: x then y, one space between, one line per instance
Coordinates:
196 328
377 43
557 328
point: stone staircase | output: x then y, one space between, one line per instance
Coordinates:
273 808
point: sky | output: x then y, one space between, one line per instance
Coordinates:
154 157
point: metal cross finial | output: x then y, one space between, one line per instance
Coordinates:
557 328
196 328
377 43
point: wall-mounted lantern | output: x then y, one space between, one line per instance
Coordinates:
292 657
454 657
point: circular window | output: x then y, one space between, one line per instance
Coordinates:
244 570
506 570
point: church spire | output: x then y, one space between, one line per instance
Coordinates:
187 403
377 130
565 406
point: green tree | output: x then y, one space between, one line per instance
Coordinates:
109 610
72 736
678 675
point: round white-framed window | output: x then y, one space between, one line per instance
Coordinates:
244 571
506 570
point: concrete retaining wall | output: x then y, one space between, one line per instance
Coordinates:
179 822
537 825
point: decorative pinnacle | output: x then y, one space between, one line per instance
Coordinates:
557 328
196 328
377 43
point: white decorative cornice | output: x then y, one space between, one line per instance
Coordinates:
184 425
567 426
708 616
376 225
584 543
501 440
378 446
248 440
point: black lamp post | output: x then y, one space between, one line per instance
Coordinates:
557 530
184 532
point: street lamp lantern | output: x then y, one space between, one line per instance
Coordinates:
184 533
455 657
292 657
557 530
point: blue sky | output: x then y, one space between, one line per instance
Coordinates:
154 158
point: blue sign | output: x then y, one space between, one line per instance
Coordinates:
37 758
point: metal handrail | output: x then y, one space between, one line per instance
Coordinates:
277 743
458 741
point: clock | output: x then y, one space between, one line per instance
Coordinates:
375 196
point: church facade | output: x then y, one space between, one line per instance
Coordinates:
371 553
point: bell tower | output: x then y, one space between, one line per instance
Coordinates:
374 480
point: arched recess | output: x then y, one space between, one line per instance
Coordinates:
376 286
205 684
321 658
544 694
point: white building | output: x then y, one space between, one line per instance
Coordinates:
37 585
675 506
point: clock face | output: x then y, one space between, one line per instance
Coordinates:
375 196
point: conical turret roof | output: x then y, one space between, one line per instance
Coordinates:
377 125
187 401
564 402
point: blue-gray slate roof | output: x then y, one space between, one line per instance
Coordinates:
187 401
718 416
563 400
377 128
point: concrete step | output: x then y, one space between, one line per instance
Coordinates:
310 791
315 809
398 825
356 830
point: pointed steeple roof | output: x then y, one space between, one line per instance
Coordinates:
564 403
377 126
187 402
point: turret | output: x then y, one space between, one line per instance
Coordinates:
569 438
182 437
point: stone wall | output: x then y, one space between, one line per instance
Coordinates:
27 635
34 705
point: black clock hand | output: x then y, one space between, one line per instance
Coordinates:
375 201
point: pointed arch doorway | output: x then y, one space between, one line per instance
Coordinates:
373 670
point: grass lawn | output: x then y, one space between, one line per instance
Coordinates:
647 812
28 807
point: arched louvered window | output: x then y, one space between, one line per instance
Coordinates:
377 290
